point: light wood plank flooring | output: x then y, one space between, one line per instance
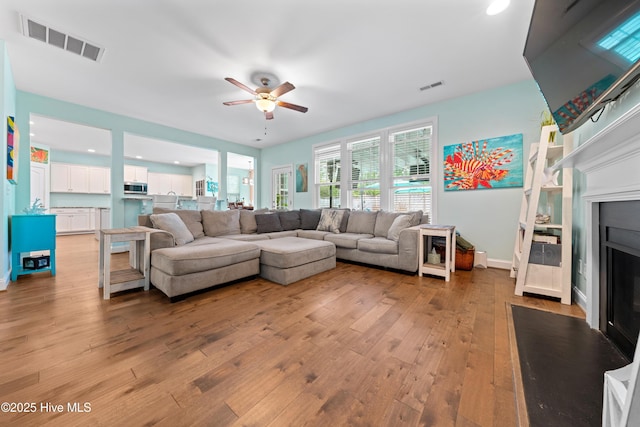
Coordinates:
353 346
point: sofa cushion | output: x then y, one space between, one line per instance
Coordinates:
330 220
248 220
172 223
195 258
245 237
221 223
312 234
362 222
347 240
379 245
290 220
383 222
281 234
309 218
268 223
191 218
399 224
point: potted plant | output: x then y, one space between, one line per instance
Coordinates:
547 120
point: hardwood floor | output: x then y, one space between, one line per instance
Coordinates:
353 346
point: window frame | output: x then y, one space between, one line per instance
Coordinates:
386 164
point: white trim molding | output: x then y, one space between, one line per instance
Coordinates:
610 162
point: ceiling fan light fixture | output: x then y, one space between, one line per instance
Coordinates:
497 6
265 105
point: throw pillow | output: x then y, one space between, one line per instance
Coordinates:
417 217
309 218
191 218
172 223
221 223
400 223
330 220
268 223
290 220
248 220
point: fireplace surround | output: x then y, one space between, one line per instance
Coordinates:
620 273
610 161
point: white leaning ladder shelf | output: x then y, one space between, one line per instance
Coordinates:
535 272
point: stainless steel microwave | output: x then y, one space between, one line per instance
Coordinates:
135 188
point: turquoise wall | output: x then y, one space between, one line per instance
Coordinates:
487 217
243 188
7 200
28 103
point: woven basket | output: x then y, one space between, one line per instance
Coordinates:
464 259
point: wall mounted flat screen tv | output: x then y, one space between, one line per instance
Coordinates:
583 54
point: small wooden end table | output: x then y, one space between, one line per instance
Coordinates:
139 257
446 266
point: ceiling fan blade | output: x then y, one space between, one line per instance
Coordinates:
268 115
240 85
292 106
244 101
282 89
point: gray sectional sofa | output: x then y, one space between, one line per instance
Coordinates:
194 250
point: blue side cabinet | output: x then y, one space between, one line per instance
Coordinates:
32 233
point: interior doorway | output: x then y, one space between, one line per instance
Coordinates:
282 187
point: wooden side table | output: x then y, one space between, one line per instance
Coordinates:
446 266
139 257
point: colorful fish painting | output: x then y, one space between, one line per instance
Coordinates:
13 138
490 163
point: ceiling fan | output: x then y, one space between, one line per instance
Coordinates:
265 98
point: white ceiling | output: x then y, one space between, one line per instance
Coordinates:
165 60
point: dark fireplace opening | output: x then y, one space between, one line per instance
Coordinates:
620 273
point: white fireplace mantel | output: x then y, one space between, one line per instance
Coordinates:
611 162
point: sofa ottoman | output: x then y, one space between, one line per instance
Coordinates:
289 259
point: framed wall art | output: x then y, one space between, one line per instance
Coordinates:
13 141
488 163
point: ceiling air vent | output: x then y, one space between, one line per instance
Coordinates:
432 85
74 44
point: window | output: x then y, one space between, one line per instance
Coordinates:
327 175
364 188
389 169
411 188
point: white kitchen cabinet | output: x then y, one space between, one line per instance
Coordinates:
67 178
182 185
159 183
164 183
74 220
99 180
135 173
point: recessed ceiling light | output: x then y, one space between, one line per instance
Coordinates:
91 150
32 134
497 6
176 162
138 157
31 122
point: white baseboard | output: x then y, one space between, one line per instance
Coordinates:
4 282
499 263
579 298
